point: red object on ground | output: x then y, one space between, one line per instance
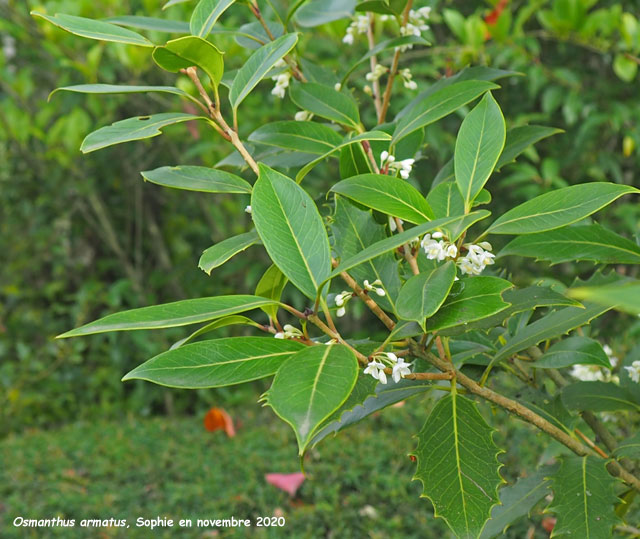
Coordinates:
493 16
289 482
218 418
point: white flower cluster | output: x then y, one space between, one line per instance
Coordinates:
375 286
289 332
282 80
388 162
359 26
399 368
417 22
341 301
634 371
377 72
477 258
436 248
593 373
407 79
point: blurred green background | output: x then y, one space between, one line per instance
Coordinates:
82 236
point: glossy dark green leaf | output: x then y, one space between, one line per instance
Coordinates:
576 350
150 23
629 448
219 253
458 466
191 178
231 320
559 208
326 102
446 201
308 137
387 194
138 128
190 51
93 29
478 147
471 299
423 294
168 315
217 363
258 65
291 230
597 397
622 297
585 242
520 138
310 386
206 14
440 104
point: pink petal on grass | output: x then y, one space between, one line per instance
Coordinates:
289 482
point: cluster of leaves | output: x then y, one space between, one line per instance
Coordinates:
454 326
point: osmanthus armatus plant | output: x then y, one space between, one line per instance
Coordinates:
420 261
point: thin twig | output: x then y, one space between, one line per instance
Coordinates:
373 61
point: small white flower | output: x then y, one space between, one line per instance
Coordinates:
375 286
358 26
289 332
634 371
404 167
400 368
477 258
407 77
248 209
282 83
367 89
377 72
437 235
376 369
612 359
587 373
303 116
341 312
341 302
337 86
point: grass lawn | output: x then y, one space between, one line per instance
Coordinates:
174 468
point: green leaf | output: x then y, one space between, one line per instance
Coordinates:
622 297
583 499
397 240
559 208
597 397
354 161
458 465
368 397
190 178
93 29
520 138
383 46
387 194
217 363
168 315
440 104
150 23
573 351
478 147
316 12
586 242
423 294
116 89
270 286
190 51
232 320
516 501
291 230
446 201
326 102
355 229
309 137
471 299
206 14
137 128
310 386
173 3
630 448
258 65
219 253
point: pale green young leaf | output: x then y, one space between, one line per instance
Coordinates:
471 299
348 141
192 178
575 350
258 65
387 194
478 146
117 89
150 23
270 286
308 137
190 51
138 128
520 138
423 294
559 208
457 463
597 397
326 102
168 315
231 320
568 244
310 386
291 230
92 29
217 362
219 253
622 297
439 104
206 14
583 499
